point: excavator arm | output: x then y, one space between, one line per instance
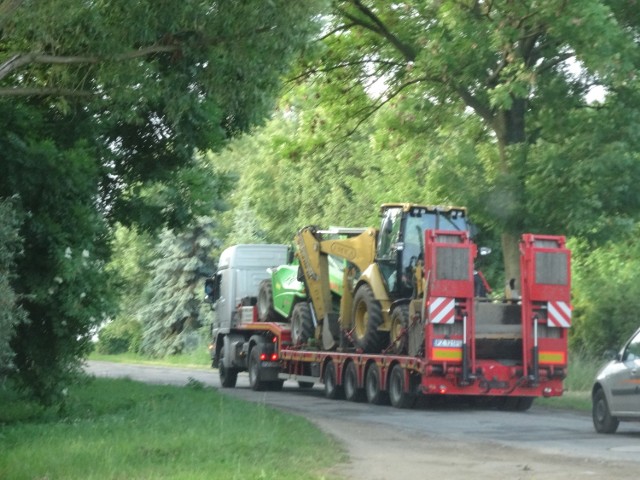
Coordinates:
313 249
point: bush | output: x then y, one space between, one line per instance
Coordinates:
606 296
120 336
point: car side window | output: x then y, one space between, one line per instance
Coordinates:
632 352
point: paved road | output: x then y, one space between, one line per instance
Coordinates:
478 442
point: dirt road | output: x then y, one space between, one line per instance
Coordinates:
439 441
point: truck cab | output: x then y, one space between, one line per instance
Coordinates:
240 270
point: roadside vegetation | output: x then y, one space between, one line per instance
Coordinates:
125 429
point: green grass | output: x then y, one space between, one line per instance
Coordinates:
580 376
120 429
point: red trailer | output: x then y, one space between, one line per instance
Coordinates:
452 342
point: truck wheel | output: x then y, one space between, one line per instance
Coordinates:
367 317
254 370
228 376
399 330
332 390
603 421
397 394
350 382
302 328
375 396
266 313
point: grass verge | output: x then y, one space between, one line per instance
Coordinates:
121 429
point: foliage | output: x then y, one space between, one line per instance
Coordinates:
11 314
606 291
481 86
101 109
120 336
125 429
172 315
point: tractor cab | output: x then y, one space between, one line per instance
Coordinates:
401 240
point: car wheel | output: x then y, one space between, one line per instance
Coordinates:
603 421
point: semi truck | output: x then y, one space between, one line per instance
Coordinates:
409 321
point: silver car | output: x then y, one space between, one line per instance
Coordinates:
616 391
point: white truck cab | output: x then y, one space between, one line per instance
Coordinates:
241 268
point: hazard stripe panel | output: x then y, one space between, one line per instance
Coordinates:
442 310
558 314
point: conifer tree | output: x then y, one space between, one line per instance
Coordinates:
172 315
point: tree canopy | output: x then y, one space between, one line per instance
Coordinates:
103 105
512 80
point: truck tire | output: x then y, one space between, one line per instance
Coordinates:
350 383
254 370
332 390
603 421
228 376
367 317
375 396
399 333
266 313
302 328
397 395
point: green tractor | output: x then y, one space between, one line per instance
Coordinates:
282 298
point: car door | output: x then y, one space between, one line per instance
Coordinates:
625 381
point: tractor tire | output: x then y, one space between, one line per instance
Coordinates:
367 317
302 328
399 333
266 312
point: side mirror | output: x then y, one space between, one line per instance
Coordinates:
610 355
209 289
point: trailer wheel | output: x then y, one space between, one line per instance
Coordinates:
266 313
399 333
254 370
397 394
350 382
331 388
302 328
228 376
375 396
603 421
367 317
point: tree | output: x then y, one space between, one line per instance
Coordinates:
101 109
11 314
171 314
488 74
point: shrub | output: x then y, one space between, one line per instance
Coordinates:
120 336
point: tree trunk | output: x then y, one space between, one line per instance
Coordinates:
511 256
511 135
